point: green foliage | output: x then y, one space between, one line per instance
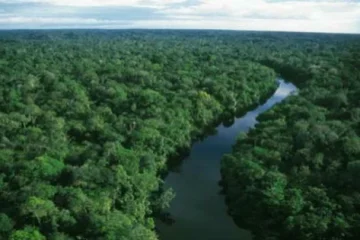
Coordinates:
88 119
297 172
28 233
6 225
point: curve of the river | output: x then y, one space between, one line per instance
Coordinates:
198 210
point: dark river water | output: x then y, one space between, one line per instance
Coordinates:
199 211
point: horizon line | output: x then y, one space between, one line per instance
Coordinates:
174 29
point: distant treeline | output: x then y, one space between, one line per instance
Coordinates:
89 118
297 175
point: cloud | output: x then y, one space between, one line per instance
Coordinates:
319 16
279 15
48 20
39 22
101 3
258 9
253 24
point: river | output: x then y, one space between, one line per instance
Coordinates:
199 210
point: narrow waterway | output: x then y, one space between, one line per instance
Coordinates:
198 210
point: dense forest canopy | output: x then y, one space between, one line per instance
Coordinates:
89 118
298 171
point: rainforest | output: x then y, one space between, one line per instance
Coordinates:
92 123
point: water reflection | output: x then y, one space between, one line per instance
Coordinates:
199 211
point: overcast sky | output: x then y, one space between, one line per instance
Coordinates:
285 15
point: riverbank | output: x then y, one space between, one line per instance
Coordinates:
198 210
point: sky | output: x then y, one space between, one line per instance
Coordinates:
339 16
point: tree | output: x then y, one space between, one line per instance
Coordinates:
28 233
